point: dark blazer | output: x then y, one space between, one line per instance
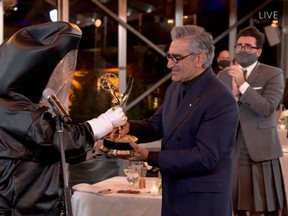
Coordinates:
258 111
197 146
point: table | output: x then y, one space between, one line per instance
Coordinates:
87 201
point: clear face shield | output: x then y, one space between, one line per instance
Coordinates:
61 79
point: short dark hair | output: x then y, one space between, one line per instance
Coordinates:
253 32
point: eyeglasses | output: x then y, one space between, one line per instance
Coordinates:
246 48
176 58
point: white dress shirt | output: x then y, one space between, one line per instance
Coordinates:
245 85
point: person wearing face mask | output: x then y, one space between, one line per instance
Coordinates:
257 177
223 61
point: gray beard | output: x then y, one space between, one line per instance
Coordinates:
245 59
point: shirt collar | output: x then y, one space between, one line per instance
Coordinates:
250 68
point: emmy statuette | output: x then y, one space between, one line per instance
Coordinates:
118 146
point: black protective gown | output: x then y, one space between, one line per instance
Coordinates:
31 181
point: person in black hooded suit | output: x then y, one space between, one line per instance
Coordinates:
36 58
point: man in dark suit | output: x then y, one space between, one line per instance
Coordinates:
258 185
198 131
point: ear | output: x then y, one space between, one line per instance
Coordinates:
200 59
259 52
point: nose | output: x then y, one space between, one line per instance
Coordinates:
170 64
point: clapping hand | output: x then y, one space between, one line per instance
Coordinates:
237 74
235 88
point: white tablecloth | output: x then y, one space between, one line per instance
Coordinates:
86 200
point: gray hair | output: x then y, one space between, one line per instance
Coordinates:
200 40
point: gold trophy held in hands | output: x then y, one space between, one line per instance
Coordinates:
118 146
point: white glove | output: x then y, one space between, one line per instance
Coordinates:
117 117
105 123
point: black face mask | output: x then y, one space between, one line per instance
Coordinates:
245 59
223 64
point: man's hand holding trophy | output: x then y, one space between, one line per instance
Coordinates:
117 146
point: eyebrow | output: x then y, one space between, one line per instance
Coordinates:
174 54
245 44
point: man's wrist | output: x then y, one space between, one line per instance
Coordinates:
244 87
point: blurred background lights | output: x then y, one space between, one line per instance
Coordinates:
170 21
53 15
274 23
97 23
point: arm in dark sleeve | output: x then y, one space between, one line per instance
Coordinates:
153 159
44 142
148 130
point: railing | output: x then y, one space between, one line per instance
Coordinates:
156 48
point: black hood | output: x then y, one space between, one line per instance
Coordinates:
29 57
